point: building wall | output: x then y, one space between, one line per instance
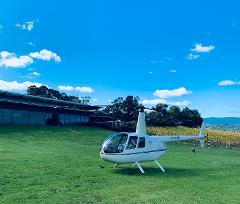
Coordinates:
16 116
70 119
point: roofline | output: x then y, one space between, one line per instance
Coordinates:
26 96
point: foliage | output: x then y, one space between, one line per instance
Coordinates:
124 109
62 165
46 92
162 115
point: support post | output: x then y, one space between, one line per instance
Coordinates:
115 165
159 165
140 168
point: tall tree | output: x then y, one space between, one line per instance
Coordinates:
46 92
124 109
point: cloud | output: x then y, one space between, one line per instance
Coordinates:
84 89
29 25
8 59
191 56
172 103
32 75
35 74
16 86
45 55
1 28
173 70
31 44
228 83
200 48
65 88
171 93
150 72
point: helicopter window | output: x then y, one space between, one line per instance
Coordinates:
141 143
132 143
115 144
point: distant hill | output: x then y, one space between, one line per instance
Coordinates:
222 121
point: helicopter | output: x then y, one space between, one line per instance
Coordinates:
138 147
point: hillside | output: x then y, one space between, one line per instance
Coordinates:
222 121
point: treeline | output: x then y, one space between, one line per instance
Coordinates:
161 115
46 92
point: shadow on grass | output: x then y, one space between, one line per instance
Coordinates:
170 172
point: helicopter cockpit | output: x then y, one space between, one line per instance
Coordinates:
119 142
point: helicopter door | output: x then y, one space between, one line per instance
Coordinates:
132 142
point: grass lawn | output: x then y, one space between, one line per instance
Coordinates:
62 165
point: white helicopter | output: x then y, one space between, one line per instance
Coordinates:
125 147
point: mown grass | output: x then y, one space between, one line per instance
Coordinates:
62 165
216 137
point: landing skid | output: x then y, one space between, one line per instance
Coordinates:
159 165
141 169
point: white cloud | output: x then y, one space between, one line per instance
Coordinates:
1 28
35 74
172 103
8 59
45 55
16 86
191 56
29 25
84 89
173 70
171 93
31 44
150 72
65 88
228 83
200 48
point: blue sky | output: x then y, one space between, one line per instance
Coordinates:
177 52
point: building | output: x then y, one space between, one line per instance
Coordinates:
25 109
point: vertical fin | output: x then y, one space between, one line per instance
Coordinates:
201 135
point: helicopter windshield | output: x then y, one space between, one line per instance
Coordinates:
115 144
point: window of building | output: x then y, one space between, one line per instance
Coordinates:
41 118
25 117
16 116
33 118
6 115
1 115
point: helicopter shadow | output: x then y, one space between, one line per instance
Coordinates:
169 172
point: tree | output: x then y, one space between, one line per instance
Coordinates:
127 110
191 118
46 92
124 109
175 113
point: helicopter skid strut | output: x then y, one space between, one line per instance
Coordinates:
140 168
142 171
159 165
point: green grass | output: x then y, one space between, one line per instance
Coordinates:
62 165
